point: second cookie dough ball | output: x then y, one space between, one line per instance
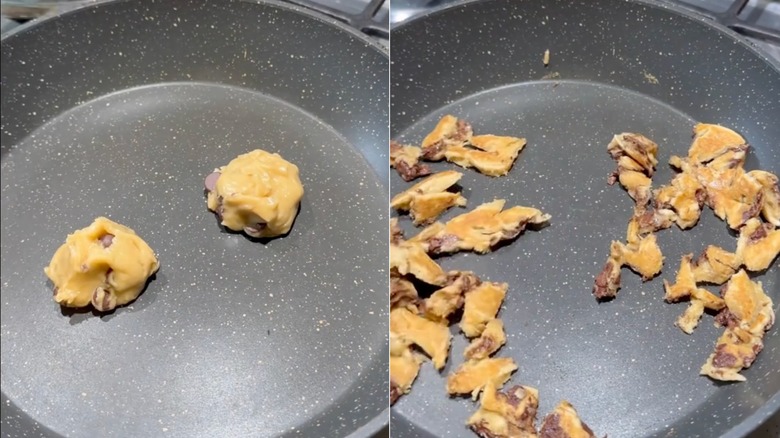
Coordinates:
257 192
105 264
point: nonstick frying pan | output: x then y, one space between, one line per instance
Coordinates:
615 66
121 109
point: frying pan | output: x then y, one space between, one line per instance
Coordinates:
615 66
121 109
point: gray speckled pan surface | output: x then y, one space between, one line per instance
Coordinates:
623 364
121 110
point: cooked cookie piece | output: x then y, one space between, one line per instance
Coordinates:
481 306
431 337
643 256
564 422
684 284
445 301
715 265
450 131
510 414
770 195
734 351
404 367
649 220
491 155
738 201
701 299
749 308
607 282
685 195
479 229
429 198
758 245
405 160
712 141
490 341
105 264
411 258
403 294
747 316
636 158
257 193
472 376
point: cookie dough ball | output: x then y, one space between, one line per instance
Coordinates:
258 193
105 264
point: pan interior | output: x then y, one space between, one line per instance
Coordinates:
624 365
233 337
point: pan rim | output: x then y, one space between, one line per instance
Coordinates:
772 405
291 7
657 4
381 419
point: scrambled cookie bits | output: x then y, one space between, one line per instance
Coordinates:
257 193
492 155
450 131
747 316
480 229
510 414
564 422
429 198
433 338
105 264
472 376
405 160
636 160
758 245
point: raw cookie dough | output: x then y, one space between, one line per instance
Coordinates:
258 193
105 264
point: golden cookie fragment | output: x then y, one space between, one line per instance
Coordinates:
407 257
449 132
472 376
738 201
715 265
510 414
712 141
636 158
403 294
406 161
431 337
447 300
480 229
491 155
758 245
747 316
563 422
685 195
490 341
404 367
771 195
481 306
684 284
644 256
429 198
701 299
